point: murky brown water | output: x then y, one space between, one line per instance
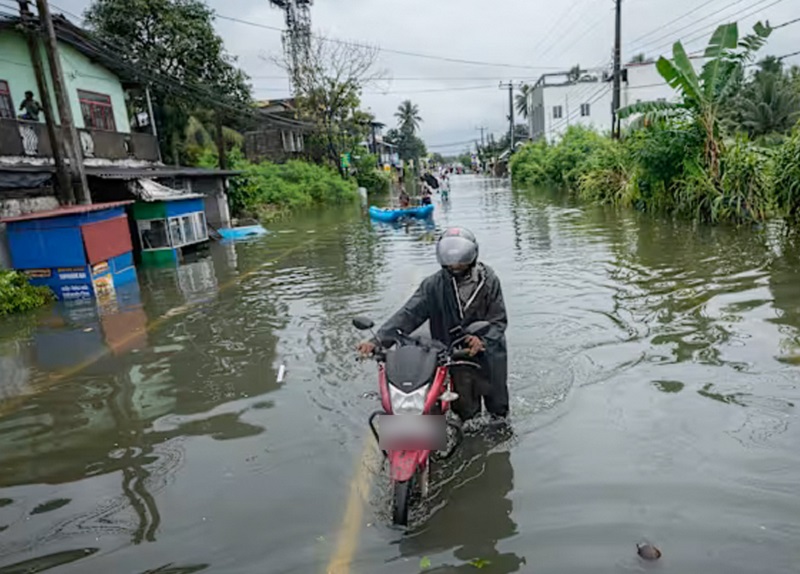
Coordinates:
652 399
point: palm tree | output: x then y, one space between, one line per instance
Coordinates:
408 118
705 95
522 100
769 106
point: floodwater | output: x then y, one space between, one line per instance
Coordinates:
652 369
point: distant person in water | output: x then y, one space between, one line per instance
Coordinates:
405 201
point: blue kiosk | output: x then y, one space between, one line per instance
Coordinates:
78 251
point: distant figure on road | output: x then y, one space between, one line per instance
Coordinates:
32 108
405 201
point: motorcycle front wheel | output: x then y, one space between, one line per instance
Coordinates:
401 502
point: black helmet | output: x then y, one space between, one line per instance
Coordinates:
457 246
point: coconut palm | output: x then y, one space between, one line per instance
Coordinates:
408 118
770 105
704 95
522 100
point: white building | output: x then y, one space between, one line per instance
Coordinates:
557 102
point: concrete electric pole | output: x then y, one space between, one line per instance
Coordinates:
617 71
510 87
73 143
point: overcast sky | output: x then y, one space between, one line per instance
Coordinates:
536 35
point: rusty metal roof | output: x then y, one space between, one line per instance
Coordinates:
65 210
127 173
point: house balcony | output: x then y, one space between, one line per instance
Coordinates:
26 139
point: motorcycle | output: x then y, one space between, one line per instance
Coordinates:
416 393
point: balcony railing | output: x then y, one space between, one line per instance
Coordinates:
20 138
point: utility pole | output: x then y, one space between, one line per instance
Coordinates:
73 143
617 70
66 193
510 87
482 129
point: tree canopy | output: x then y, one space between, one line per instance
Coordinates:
172 45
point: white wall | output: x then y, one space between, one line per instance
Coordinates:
569 97
644 84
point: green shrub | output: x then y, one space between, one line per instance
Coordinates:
786 182
18 296
528 165
610 177
369 176
746 190
266 190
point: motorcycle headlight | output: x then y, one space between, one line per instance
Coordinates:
412 403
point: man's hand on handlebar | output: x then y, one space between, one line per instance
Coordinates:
366 348
474 345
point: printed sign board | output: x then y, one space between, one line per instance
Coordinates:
71 274
39 273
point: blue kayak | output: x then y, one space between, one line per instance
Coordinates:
394 214
242 232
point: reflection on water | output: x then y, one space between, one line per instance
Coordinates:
652 372
478 495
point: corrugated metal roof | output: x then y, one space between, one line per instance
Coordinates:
117 172
65 210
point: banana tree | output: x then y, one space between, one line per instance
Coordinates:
704 94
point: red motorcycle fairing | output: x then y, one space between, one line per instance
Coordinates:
404 463
436 389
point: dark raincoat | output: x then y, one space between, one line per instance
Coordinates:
436 300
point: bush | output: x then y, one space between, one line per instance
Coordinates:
18 296
369 176
266 190
787 177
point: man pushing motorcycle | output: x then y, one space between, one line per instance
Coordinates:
463 292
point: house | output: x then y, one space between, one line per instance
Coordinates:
277 135
560 100
101 91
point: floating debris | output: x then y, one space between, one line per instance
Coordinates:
281 373
648 551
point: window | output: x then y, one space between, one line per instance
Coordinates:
558 111
6 105
201 231
98 113
189 230
586 110
176 232
662 99
288 141
298 142
153 234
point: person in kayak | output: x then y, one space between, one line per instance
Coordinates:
462 292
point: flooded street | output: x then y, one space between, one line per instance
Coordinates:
654 397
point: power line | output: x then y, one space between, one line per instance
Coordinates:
678 19
652 44
703 35
393 51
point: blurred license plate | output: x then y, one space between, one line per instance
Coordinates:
412 432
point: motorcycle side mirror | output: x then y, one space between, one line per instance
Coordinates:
478 328
363 324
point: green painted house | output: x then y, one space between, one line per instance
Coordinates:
118 145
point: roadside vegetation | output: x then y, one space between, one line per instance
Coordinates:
19 296
727 151
269 190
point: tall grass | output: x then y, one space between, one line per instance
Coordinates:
661 169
